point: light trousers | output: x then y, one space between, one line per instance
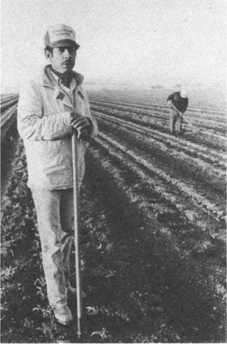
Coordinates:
55 216
175 122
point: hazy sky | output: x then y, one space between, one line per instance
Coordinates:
146 41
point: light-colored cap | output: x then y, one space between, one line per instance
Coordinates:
60 36
183 94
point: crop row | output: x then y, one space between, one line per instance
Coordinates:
141 237
198 152
199 138
202 137
194 113
143 210
176 191
8 114
7 101
141 282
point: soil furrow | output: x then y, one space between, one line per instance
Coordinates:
189 192
181 143
175 147
211 140
151 236
178 171
150 294
205 112
213 126
165 202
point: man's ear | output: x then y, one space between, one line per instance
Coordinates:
48 55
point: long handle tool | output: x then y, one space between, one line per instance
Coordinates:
77 252
193 128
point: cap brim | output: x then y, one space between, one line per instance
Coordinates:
64 43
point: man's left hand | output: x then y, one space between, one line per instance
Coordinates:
82 125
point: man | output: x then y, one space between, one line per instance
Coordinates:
49 109
179 104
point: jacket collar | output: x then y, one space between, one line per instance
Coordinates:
49 81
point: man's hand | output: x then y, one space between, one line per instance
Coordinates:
82 125
169 102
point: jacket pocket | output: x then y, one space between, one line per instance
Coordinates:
47 149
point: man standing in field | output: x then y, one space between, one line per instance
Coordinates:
50 108
179 103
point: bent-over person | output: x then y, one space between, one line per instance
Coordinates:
179 103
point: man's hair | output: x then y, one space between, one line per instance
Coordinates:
49 49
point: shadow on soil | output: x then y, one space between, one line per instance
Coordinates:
137 287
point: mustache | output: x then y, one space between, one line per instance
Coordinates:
68 60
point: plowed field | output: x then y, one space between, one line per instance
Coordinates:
152 224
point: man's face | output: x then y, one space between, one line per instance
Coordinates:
62 59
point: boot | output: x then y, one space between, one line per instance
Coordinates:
63 314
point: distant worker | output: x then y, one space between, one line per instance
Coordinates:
179 104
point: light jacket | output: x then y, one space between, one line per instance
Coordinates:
44 115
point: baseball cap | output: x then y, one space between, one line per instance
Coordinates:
60 36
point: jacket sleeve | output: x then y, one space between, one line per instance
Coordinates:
171 96
31 122
186 104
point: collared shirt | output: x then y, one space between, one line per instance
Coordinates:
66 90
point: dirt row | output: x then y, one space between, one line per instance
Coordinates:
205 112
197 117
204 166
142 280
200 136
9 141
172 176
152 242
147 220
174 144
